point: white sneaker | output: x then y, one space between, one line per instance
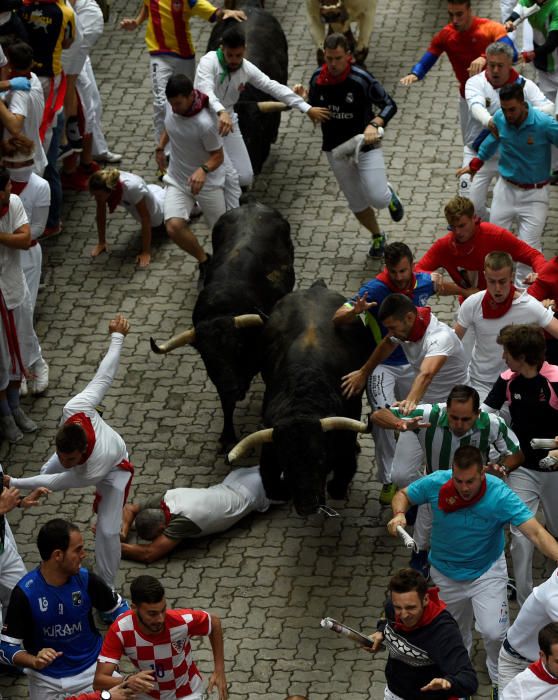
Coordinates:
23 422
108 157
23 389
39 383
9 429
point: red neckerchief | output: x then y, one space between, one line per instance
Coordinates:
493 309
326 78
87 425
386 279
19 74
18 187
166 511
200 101
431 610
4 210
540 671
421 323
115 196
449 500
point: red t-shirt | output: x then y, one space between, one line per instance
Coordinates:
465 261
168 654
546 284
463 47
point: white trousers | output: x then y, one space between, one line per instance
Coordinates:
485 599
31 263
506 8
364 184
27 338
528 207
43 687
548 83
90 97
533 488
477 190
12 568
468 129
388 695
109 521
387 384
235 148
508 668
161 69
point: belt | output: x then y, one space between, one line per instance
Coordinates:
525 186
508 647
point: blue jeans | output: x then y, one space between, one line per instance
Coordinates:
52 176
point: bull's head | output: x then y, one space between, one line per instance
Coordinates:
331 11
300 449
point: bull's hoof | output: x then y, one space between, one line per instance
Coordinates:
320 57
337 491
360 56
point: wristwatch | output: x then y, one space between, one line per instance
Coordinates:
105 695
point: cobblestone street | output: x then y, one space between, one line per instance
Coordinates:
273 577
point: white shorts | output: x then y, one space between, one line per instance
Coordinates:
179 203
43 687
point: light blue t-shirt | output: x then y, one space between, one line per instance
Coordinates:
467 542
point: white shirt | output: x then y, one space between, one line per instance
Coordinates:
109 448
191 139
12 281
219 507
91 21
540 608
439 339
31 105
486 361
528 686
224 92
483 100
134 189
34 197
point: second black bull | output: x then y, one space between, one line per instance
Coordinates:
311 426
267 48
251 269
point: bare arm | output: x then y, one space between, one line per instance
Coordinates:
217 679
459 330
428 370
148 553
399 506
101 220
354 382
552 328
197 178
131 24
20 239
144 258
540 537
385 418
12 122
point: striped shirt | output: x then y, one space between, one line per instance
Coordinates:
439 442
168 25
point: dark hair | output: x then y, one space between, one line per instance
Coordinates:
468 456
4 177
524 339
548 636
512 91
179 85
337 40
146 589
463 393
71 437
233 38
148 523
395 252
396 305
407 580
19 54
55 534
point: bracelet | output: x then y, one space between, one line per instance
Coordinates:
399 512
375 125
204 167
159 149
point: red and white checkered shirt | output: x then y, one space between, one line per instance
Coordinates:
168 654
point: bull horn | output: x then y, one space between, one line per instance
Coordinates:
249 442
185 338
270 107
248 321
343 423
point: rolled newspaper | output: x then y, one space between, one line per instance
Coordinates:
407 539
544 444
329 623
351 148
526 12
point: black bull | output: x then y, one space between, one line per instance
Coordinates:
267 48
308 433
251 269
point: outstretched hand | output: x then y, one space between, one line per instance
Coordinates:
119 324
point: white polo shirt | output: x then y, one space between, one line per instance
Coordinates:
12 281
